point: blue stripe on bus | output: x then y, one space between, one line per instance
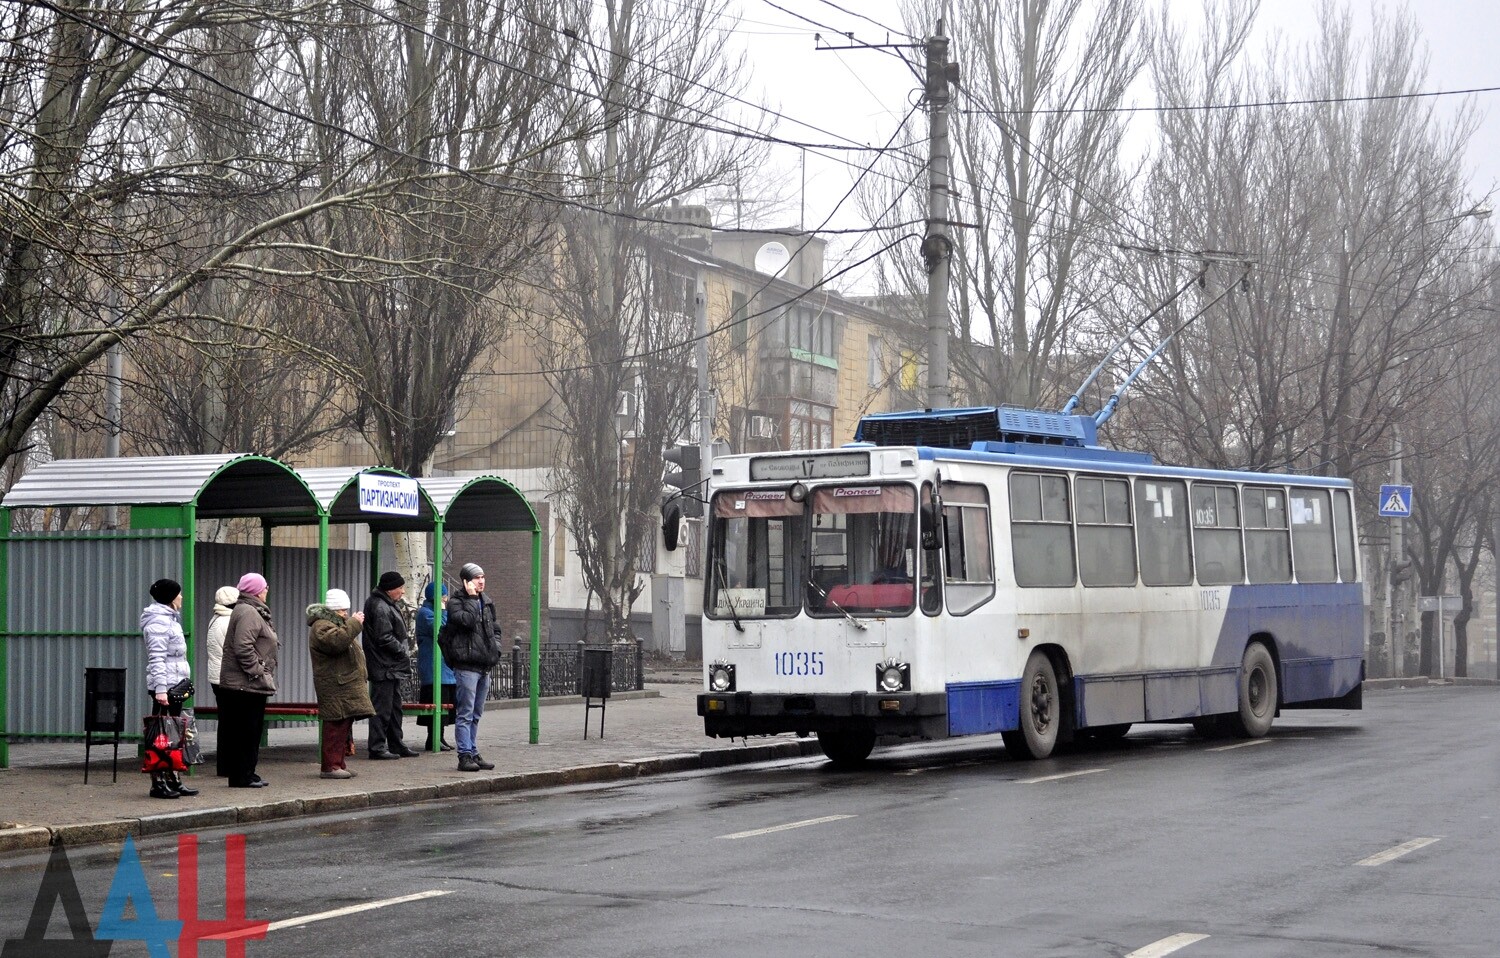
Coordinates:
975 708
1318 631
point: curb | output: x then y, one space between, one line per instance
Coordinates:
32 837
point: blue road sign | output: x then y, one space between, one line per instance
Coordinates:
1395 502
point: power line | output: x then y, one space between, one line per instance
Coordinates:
1251 105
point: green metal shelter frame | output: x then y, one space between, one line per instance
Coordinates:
169 494
480 504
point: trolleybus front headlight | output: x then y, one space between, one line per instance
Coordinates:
721 677
893 676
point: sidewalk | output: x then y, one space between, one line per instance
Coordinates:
43 799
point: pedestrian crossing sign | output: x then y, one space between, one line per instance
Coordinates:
1395 502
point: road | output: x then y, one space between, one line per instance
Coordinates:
1342 834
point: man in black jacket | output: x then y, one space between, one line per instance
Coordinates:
385 642
471 646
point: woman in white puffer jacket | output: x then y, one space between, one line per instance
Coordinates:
218 627
166 665
224 601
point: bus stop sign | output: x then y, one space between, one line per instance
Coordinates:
1395 502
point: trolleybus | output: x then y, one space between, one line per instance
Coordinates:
972 571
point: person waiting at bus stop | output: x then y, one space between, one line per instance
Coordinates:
385 643
338 665
426 617
471 644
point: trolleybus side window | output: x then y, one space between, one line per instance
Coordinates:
1217 548
1344 523
757 562
1161 520
1312 536
970 571
1268 547
1106 541
864 550
1041 530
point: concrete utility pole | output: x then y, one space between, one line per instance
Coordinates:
937 247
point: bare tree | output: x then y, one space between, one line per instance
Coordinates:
1040 188
146 150
623 322
458 100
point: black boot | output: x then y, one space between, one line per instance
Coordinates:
479 761
466 762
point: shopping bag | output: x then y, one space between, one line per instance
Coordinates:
192 749
163 753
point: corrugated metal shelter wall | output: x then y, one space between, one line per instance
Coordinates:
76 603
293 578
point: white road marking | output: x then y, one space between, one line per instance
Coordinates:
1391 854
1166 946
789 825
1253 741
1053 778
335 913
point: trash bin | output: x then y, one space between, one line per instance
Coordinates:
593 683
103 713
594 676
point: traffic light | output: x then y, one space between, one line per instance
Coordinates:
684 474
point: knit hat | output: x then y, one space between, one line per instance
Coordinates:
252 583
471 570
427 592
337 599
227 595
165 590
390 580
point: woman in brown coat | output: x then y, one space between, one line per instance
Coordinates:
339 678
247 678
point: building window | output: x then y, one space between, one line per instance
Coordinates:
559 547
875 377
812 331
809 426
909 374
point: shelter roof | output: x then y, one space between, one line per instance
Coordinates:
221 486
337 492
479 504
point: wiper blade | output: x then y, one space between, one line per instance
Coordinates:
829 599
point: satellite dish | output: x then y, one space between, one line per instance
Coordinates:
772 259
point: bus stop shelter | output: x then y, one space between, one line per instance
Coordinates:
71 599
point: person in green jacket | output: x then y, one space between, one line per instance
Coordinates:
339 677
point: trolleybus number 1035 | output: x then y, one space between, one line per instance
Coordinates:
799 663
1211 600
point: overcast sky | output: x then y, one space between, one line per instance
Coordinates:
860 95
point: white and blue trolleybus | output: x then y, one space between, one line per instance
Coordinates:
970 571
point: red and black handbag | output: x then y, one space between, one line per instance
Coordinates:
165 735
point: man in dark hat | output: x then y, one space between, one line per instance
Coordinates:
385 641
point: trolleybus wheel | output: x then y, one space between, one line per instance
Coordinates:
1041 711
846 747
1257 693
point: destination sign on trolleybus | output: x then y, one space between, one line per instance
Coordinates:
836 466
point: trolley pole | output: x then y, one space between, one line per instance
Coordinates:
937 246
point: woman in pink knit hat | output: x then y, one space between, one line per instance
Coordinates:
247 678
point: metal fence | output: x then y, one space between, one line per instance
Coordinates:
560 668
